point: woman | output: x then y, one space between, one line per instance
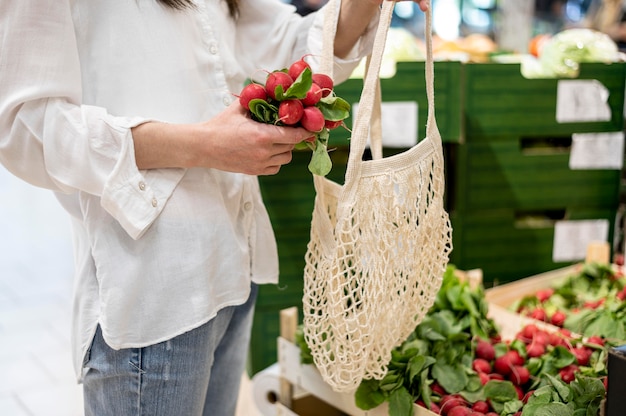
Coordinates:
126 109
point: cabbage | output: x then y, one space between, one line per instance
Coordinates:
562 54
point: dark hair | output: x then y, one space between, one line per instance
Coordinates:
233 5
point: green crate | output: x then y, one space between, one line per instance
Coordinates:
511 244
511 174
500 102
408 84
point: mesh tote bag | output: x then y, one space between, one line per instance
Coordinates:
379 243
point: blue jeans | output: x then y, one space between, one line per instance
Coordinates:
196 373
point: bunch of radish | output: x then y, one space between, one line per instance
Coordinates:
525 362
297 97
591 301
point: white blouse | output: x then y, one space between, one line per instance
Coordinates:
158 252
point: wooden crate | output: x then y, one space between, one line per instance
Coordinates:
504 296
306 377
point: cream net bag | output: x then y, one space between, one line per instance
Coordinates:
379 244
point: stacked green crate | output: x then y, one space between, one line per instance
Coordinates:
408 84
511 181
289 194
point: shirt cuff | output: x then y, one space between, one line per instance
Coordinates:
136 198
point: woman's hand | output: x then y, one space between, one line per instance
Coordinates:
231 142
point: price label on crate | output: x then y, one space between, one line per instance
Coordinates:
399 123
571 238
582 100
597 151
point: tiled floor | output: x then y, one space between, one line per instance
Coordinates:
36 376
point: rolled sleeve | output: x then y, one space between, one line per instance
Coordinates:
51 140
136 198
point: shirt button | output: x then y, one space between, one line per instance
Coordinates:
142 185
247 206
226 100
154 202
213 49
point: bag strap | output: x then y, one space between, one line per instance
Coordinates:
361 125
331 13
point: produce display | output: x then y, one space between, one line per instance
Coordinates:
456 363
590 302
296 96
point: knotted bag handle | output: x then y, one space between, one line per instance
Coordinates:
368 96
369 116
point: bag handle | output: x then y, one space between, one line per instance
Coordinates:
361 125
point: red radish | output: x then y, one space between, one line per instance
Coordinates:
519 375
485 350
568 373
503 365
582 355
250 92
538 314
593 304
596 340
542 337
475 413
325 82
484 378
297 67
557 318
535 349
290 111
276 78
480 406
450 401
480 365
527 396
332 125
544 295
312 119
491 414
516 358
556 339
529 331
460 411
437 389
313 96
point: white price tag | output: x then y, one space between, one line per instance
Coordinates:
571 238
399 123
597 151
582 100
